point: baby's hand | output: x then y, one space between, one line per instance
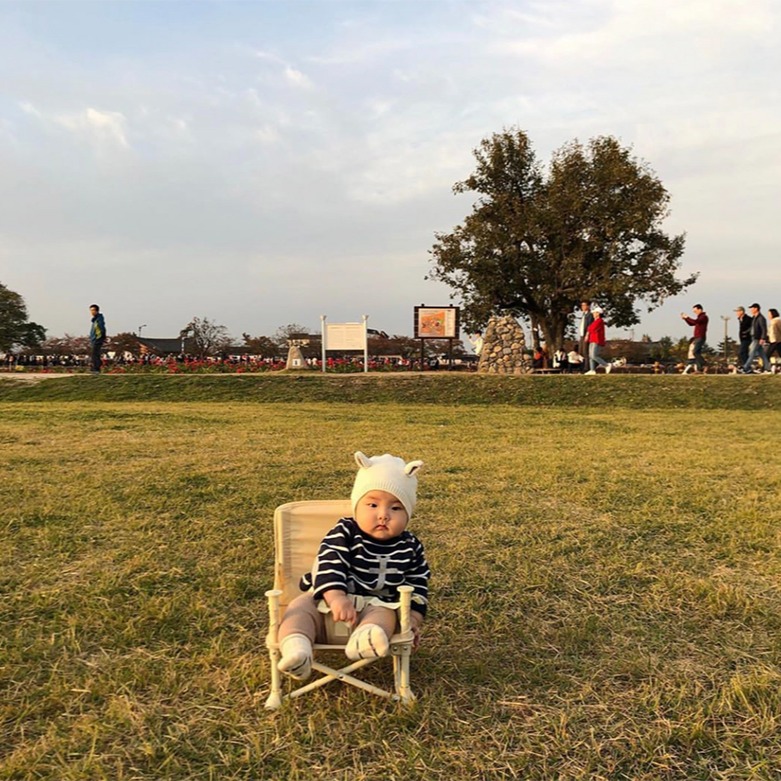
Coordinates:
416 625
342 608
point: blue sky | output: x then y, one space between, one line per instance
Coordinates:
263 163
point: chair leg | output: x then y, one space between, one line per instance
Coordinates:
401 677
274 700
401 657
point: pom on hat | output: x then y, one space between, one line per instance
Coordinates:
386 473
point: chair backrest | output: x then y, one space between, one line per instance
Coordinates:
299 528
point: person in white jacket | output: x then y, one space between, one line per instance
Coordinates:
773 339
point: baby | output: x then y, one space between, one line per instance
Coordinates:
360 565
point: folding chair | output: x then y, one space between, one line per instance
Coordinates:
298 529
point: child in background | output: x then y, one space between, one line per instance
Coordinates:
360 565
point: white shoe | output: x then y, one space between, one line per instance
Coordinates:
591 372
608 368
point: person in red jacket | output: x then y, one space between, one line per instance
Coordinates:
596 339
700 323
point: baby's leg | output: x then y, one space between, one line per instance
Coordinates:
370 638
299 629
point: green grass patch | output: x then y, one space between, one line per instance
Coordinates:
622 391
606 598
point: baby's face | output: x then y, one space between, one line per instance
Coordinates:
381 515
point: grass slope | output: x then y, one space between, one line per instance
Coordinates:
624 391
606 599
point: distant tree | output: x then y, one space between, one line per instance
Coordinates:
124 342
262 345
680 350
535 245
15 328
662 351
731 351
442 347
65 345
404 346
286 332
208 338
310 342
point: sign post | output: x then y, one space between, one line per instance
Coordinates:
346 336
437 322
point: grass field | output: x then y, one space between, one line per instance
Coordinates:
606 597
566 391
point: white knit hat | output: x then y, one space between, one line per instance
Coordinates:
386 473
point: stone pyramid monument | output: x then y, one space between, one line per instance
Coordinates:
504 348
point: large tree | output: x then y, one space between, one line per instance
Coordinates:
15 329
537 242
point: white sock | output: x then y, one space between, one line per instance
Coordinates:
368 641
296 658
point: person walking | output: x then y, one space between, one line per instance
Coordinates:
587 318
758 341
744 335
773 337
700 323
97 336
596 339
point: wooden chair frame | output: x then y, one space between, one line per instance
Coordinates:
298 529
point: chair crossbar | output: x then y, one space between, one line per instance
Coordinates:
329 674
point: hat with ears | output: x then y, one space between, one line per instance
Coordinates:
386 473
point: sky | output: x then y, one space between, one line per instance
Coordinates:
265 163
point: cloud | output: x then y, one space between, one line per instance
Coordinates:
99 126
28 108
292 76
297 78
634 32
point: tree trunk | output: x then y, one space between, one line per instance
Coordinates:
553 330
535 332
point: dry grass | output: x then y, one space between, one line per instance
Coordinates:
605 594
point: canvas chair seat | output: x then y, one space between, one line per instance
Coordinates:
299 527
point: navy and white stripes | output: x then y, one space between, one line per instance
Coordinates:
353 562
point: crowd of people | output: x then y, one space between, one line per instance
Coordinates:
184 363
759 340
759 351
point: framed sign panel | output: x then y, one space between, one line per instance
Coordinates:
345 336
436 322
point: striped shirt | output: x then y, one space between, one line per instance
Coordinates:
353 562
